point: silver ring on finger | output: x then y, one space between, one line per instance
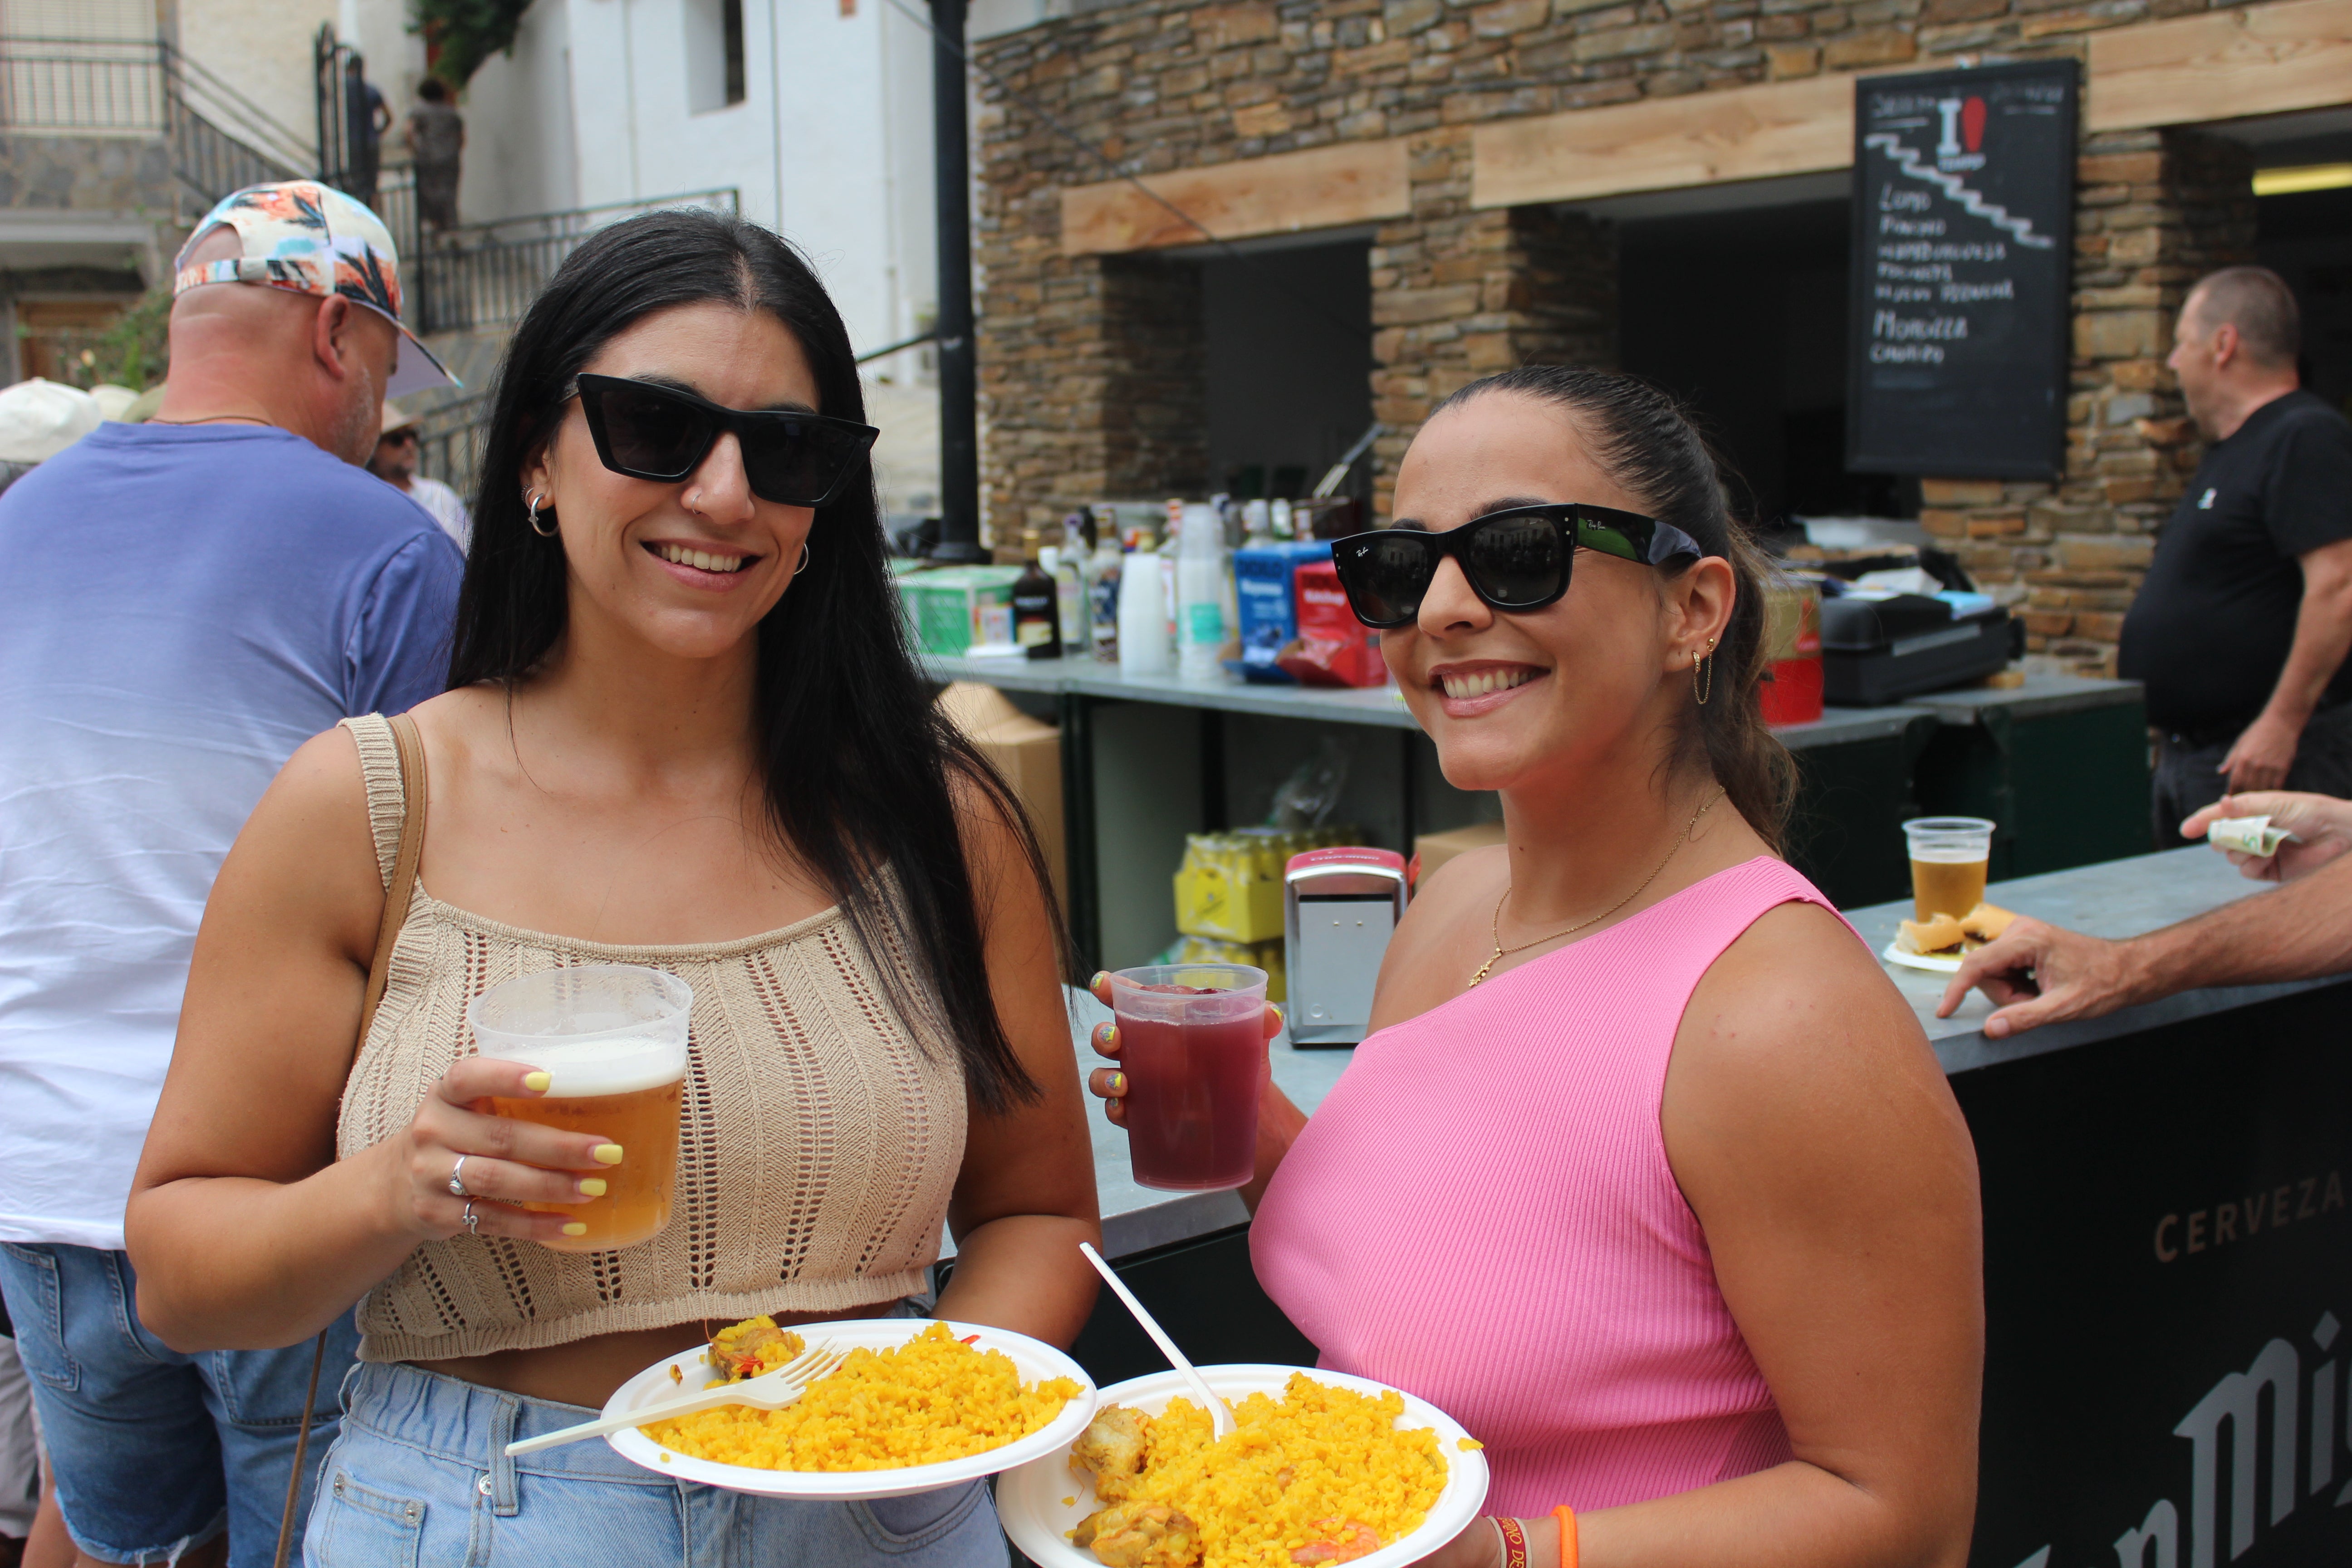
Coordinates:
458 1178
473 1220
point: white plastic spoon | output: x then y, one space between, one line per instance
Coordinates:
1221 1415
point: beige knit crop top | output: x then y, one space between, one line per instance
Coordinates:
818 1147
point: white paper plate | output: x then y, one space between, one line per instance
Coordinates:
1895 954
1029 1500
1034 1358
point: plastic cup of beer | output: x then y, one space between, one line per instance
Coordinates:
612 1039
1948 857
1191 1040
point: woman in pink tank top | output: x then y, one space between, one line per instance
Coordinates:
1646 1173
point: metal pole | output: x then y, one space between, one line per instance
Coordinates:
959 377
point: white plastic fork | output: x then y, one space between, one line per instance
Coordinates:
770 1391
1221 1415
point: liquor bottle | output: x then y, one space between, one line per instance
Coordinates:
1037 613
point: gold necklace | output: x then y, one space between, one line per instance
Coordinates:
1495 928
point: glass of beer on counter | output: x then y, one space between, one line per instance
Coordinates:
1191 1040
612 1039
1948 857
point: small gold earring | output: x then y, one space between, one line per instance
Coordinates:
1702 675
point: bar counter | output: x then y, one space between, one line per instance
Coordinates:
2168 1253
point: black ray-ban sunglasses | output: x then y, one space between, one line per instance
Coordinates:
651 432
1515 559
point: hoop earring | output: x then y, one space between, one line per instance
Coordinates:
532 518
804 558
1702 675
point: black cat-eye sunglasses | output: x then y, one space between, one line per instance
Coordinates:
649 431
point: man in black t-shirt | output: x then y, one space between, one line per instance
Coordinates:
2241 630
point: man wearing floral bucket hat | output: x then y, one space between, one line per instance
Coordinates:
189 599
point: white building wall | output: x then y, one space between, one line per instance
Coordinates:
831 144
262 48
520 124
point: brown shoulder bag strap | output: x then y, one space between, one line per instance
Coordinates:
396 899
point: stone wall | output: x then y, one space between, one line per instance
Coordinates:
129 175
1074 407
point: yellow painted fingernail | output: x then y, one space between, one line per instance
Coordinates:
608 1153
1118 1084
591 1186
1278 1019
536 1081
575 1228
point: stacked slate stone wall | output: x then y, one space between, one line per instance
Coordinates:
1086 360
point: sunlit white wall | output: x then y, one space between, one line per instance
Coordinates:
617 100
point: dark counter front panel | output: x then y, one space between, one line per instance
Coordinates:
2170 1294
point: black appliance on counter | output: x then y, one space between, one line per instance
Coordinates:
1880 649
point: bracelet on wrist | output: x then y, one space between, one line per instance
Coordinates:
1566 1518
1514 1542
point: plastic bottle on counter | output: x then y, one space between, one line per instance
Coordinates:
1280 521
1102 595
1143 616
1201 592
1061 562
1257 522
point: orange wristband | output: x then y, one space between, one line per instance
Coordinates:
1567 1517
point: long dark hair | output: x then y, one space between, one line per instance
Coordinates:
1648 443
860 772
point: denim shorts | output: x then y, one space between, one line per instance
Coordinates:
419 1478
154 1451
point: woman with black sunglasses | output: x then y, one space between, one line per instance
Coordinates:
684 729
1646 1173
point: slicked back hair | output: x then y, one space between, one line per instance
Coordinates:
2257 302
1646 441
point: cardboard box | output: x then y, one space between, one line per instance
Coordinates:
1027 752
1431 850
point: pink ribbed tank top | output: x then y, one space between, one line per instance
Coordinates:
1481 1214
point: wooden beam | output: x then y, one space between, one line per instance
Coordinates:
1696 139
2223 65
1325 188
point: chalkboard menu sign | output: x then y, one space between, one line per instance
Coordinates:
1963 248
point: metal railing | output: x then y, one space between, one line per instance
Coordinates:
449 443
220 140
485 275
82 87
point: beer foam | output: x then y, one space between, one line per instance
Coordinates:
1942 855
591 1068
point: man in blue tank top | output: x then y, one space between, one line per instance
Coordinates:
187 601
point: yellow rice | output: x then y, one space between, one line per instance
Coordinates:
1293 1471
927 1401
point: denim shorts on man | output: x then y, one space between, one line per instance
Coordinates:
154 1451
419 1478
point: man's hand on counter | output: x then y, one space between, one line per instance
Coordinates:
2321 824
2039 974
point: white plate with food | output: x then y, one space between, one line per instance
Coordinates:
1941 962
965 1403
1304 1501
1940 944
